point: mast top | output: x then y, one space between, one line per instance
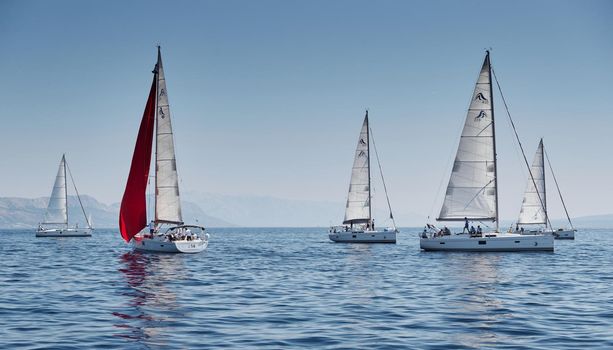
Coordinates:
156 69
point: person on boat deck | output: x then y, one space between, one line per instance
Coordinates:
522 230
479 231
151 226
517 227
472 230
465 225
446 231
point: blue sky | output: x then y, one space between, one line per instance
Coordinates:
268 96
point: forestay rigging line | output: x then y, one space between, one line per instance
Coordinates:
78 197
504 101
558 187
382 178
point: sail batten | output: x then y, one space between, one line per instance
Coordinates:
471 192
167 199
358 208
57 211
534 205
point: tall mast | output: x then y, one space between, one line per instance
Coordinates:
65 186
157 88
368 155
544 199
489 67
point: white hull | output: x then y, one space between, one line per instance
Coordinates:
507 242
364 237
70 232
162 245
564 234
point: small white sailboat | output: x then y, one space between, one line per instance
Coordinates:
56 217
167 232
472 192
359 225
533 211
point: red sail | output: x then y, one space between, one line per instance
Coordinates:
133 212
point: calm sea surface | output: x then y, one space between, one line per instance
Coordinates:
292 288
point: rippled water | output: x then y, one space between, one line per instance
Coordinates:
292 288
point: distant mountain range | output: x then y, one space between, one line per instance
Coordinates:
218 210
28 212
266 211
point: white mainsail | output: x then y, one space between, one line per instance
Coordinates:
534 206
472 191
167 200
358 200
57 209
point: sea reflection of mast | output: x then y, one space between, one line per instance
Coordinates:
476 298
363 277
149 300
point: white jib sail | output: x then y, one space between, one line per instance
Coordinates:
57 209
471 191
358 200
533 212
167 200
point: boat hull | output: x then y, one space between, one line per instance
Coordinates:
64 233
164 246
564 234
363 237
497 243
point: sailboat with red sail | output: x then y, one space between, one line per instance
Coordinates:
166 232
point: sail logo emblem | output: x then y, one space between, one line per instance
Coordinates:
481 98
362 154
362 142
162 115
162 92
481 115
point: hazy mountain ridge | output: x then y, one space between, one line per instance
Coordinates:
28 212
266 211
219 210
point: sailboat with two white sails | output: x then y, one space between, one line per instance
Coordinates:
166 232
359 225
533 212
472 192
56 223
